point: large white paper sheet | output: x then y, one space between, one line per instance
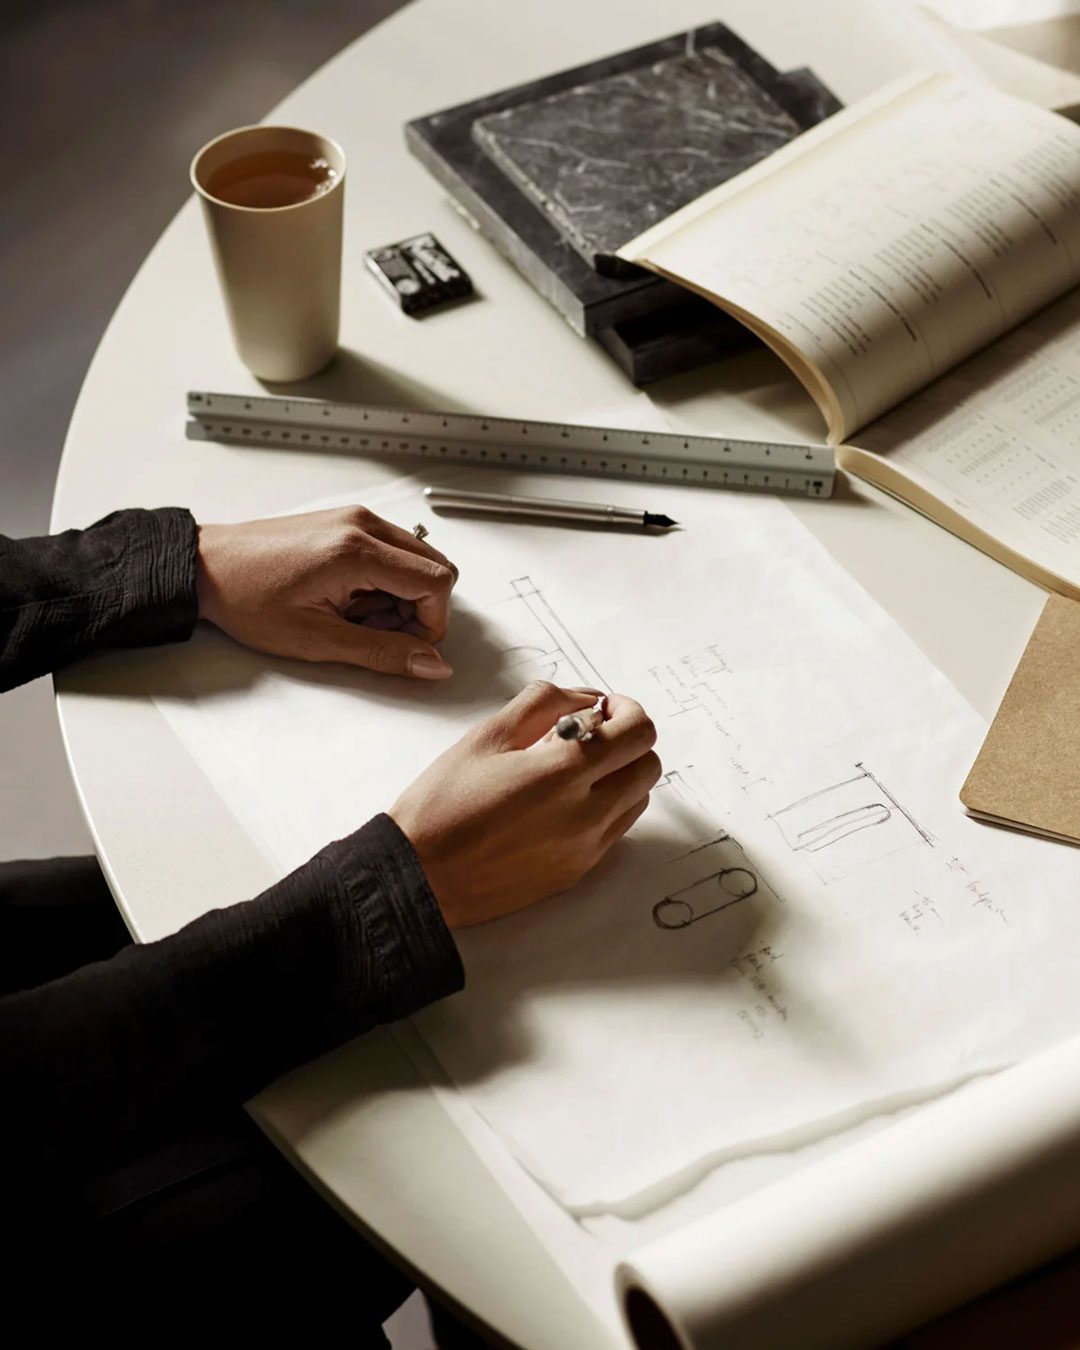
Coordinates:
803 931
888 1232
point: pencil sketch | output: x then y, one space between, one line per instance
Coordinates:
706 897
543 648
686 801
709 864
849 824
692 686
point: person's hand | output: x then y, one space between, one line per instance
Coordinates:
340 585
510 815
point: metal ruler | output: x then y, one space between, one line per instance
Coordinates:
504 442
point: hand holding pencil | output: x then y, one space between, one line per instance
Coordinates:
515 812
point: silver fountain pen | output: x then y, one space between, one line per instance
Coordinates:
543 508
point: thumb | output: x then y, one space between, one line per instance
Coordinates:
389 653
532 714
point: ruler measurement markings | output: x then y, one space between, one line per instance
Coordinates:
711 474
239 419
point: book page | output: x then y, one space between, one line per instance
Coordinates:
992 450
885 246
782 947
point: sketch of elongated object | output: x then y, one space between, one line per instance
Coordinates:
698 829
835 828
833 813
563 643
705 897
848 825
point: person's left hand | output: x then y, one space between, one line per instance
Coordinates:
339 585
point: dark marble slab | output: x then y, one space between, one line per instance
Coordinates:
673 340
612 157
808 99
524 233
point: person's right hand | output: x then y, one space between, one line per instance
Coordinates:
510 815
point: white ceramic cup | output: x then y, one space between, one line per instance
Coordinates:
280 266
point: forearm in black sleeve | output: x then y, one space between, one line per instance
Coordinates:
169 1031
128 581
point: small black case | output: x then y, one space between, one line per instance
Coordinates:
419 273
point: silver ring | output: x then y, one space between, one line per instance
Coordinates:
420 531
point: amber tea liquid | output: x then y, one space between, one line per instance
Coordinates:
272 178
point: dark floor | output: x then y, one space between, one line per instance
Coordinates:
103 105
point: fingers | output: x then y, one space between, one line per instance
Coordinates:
530 716
623 822
394 535
365 604
409 576
626 735
332 638
378 609
618 791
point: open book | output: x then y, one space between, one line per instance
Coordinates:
913 260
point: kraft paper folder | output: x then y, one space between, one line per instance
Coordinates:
1027 774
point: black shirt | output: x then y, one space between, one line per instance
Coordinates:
205 1018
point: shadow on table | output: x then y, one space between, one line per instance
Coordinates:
756 378
581 940
212 663
600 941
594 944
597 964
352 378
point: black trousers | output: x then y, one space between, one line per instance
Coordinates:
211 1235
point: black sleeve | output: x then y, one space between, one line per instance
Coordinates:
128 581
169 1031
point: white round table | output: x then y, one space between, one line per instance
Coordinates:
362 1123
